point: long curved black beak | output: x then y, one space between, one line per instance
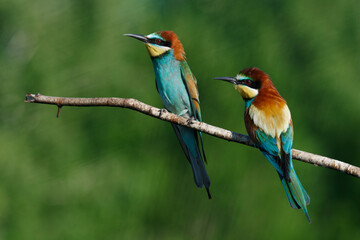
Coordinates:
227 79
138 37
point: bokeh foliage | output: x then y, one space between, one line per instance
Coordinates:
107 173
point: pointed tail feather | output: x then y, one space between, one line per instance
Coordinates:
189 143
208 192
292 203
295 192
202 147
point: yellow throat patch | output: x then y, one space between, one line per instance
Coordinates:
246 92
155 51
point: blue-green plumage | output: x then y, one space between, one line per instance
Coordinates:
295 193
178 91
269 124
282 162
170 85
173 91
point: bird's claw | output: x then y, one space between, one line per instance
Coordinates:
190 120
163 110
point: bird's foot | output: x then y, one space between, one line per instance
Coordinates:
163 110
190 120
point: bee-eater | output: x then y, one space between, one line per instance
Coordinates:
269 125
177 87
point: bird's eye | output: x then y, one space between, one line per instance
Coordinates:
158 41
247 82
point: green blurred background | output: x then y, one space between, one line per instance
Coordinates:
111 173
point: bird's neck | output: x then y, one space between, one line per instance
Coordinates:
166 64
166 67
248 102
166 59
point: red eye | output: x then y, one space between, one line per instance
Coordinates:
248 82
158 41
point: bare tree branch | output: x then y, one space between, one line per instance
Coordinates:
162 114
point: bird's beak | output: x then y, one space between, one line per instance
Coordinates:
227 79
138 37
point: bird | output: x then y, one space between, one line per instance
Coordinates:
178 91
269 124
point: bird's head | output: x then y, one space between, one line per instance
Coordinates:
160 43
248 82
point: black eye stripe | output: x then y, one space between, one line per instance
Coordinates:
255 84
252 84
247 82
159 42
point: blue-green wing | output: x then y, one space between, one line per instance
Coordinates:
286 145
287 140
297 196
191 87
269 148
279 158
266 142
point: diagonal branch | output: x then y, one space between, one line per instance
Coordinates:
162 114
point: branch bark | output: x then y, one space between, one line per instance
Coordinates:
162 114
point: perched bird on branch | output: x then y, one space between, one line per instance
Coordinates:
177 87
269 125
